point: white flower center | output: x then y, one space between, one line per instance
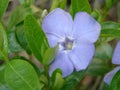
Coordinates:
67 44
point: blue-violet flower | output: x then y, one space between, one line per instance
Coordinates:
115 60
75 38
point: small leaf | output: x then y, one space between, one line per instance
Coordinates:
50 55
3 7
3 42
115 83
20 75
80 6
36 38
57 80
20 34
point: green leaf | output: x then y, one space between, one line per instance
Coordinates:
50 55
58 4
13 45
3 42
110 29
3 7
18 15
3 85
2 73
57 81
80 6
21 38
72 80
36 38
115 83
110 33
110 25
20 75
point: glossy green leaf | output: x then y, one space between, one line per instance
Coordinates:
36 38
20 75
58 4
3 42
50 55
3 85
72 80
18 15
21 38
80 6
115 83
3 7
57 81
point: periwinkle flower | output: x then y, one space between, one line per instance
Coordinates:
115 60
75 38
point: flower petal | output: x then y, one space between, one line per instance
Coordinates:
108 77
81 56
53 40
62 62
85 28
57 23
116 54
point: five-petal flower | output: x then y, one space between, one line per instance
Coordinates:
75 38
115 60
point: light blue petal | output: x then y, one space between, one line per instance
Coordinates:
57 23
81 55
53 40
116 54
85 28
62 62
108 77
